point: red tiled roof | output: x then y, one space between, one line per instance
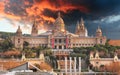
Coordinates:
42 66
45 66
114 42
6 65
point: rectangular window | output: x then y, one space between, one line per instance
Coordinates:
60 47
55 47
18 40
64 40
59 40
55 40
101 41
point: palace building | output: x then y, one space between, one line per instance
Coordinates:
59 38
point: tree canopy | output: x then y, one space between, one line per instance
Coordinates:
6 44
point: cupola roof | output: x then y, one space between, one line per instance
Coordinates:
99 30
19 29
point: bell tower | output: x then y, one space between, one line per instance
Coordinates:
34 31
98 32
80 29
77 28
18 38
19 31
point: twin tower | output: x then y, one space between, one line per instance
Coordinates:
59 25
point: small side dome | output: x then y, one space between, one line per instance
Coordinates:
99 30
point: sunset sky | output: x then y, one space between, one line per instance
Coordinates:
103 13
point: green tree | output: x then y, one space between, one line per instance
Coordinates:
79 50
29 53
98 47
25 44
7 44
89 49
53 62
47 51
78 55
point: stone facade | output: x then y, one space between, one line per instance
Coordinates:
59 38
96 61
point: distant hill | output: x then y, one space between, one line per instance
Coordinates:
4 35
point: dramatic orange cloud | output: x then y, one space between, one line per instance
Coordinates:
25 11
7 15
38 8
1 7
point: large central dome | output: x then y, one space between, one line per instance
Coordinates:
59 23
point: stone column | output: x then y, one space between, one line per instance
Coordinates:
57 47
70 66
79 65
75 65
65 65
62 46
58 64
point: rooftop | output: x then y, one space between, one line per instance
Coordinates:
6 65
114 42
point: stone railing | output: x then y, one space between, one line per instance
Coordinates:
65 50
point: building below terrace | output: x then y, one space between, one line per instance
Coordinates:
59 38
96 61
25 64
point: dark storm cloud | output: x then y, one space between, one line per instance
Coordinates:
97 8
15 7
49 13
103 8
